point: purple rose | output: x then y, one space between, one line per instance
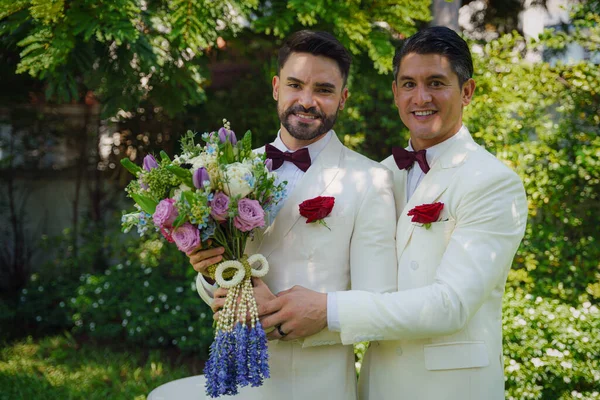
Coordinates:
200 176
269 164
219 206
165 213
186 237
250 215
150 162
225 134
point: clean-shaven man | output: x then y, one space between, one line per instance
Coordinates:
358 249
461 216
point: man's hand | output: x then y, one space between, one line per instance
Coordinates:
202 259
262 295
297 312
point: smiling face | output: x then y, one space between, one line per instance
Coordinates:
429 98
309 92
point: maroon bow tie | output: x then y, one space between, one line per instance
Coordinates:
405 159
300 158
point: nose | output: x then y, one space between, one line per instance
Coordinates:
306 99
422 95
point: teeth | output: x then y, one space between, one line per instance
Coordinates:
306 116
423 113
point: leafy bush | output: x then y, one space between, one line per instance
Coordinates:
550 348
147 296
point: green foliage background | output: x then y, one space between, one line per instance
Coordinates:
154 62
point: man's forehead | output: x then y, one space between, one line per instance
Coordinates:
309 64
423 65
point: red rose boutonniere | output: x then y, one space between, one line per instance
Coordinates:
426 213
314 210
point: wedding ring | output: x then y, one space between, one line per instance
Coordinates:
280 331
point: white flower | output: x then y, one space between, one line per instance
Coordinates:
199 161
236 180
125 322
146 284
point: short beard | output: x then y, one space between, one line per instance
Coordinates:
303 131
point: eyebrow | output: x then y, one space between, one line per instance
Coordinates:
430 77
318 84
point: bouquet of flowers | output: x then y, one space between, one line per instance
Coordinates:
221 191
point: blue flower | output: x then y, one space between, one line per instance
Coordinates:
241 354
207 232
258 358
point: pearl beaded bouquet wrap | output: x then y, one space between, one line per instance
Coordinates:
221 191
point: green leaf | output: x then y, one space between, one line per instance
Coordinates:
147 204
227 157
164 156
246 142
131 167
180 220
185 175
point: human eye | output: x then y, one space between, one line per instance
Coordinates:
294 85
408 85
436 84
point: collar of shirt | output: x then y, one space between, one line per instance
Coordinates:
433 153
314 149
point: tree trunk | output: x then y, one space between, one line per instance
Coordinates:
445 13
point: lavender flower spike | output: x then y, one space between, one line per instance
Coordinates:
200 176
150 162
225 134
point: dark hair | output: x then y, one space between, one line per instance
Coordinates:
317 44
438 40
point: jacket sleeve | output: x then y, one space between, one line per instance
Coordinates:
205 289
490 223
373 265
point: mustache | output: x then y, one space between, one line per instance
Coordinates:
298 108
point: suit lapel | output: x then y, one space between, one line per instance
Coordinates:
433 185
314 182
400 176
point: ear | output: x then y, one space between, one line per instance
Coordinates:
345 94
468 90
275 87
395 91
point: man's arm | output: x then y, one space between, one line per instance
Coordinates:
490 225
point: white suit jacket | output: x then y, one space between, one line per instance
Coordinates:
440 336
358 253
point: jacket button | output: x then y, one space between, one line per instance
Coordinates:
399 350
414 265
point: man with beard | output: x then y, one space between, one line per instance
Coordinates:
354 249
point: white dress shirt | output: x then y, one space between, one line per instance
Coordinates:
290 172
287 172
414 178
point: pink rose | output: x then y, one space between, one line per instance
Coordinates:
250 215
186 237
219 206
165 213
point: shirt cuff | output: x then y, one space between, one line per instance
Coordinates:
333 320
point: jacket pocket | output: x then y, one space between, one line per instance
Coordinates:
456 355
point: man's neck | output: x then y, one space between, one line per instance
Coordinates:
294 144
424 144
